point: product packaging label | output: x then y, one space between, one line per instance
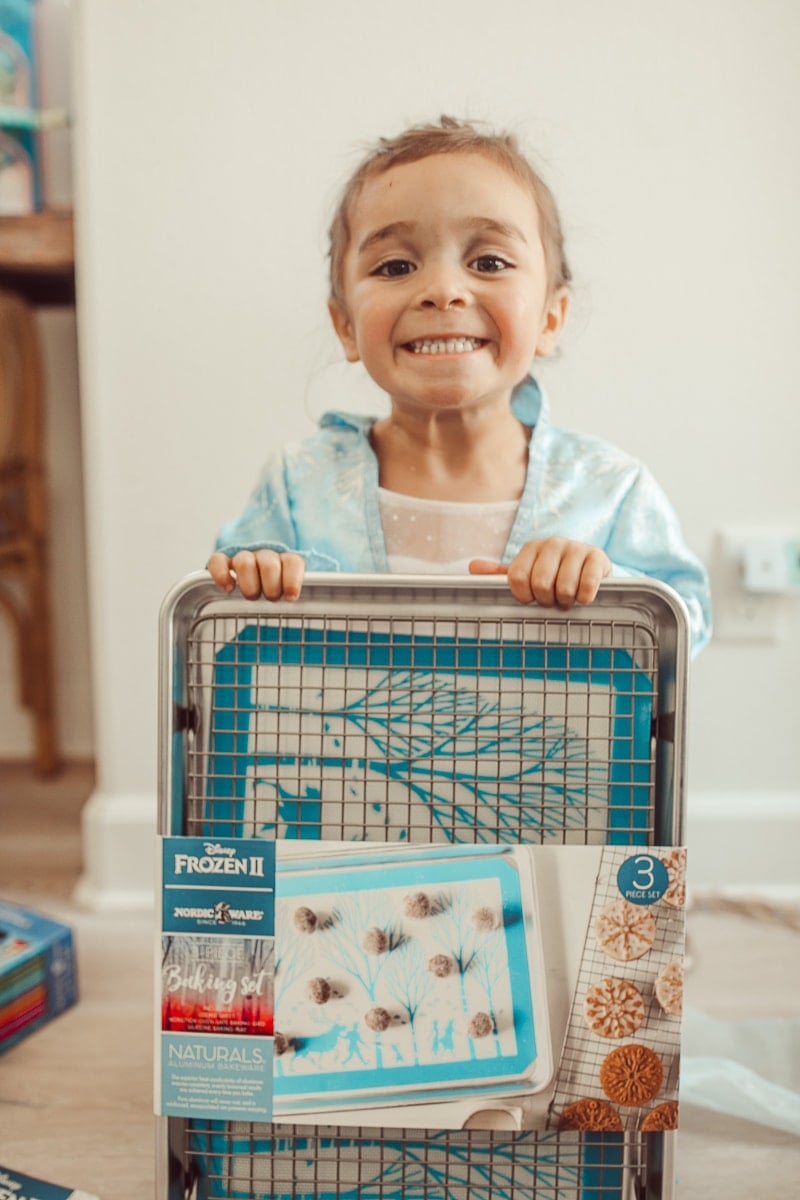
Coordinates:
216 1000
426 986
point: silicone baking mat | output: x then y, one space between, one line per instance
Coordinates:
339 729
442 945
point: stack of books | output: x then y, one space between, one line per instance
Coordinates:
38 977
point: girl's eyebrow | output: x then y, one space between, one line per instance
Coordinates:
382 235
489 225
471 224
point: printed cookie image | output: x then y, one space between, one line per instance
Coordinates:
675 895
613 1008
376 941
631 1075
377 1019
319 991
625 931
484 920
591 1116
281 1044
481 1025
417 905
669 988
662 1117
305 919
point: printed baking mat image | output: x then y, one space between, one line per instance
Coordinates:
620 1061
406 975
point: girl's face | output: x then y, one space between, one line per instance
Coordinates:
446 296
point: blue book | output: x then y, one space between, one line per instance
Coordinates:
16 1186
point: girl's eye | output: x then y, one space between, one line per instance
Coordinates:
490 264
394 268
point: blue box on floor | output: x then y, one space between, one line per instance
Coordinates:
16 1186
38 974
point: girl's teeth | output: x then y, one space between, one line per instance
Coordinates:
446 346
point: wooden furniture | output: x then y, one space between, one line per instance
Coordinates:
37 257
36 267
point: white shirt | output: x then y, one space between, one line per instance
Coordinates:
425 537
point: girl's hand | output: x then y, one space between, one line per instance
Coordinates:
554 571
259 573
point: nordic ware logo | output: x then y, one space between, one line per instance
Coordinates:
227 886
220 913
219 860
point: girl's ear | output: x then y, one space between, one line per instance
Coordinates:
344 330
555 316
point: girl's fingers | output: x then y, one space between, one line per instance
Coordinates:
293 571
219 568
484 566
259 573
552 572
596 568
556 571
248 574
270 572
532 574
568 575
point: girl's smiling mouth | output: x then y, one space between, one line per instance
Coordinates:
445 345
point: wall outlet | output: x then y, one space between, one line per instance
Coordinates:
753 571
792 550
765 565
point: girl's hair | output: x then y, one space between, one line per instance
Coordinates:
450 136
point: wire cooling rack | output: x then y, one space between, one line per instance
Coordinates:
429 730
584 1052
308 1161
430 711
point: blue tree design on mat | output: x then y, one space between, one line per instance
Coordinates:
350 920
293 956
410 984
434 1166
469 759
475 1171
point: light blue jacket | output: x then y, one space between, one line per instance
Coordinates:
319 497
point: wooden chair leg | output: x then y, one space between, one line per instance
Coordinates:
40 656
23 560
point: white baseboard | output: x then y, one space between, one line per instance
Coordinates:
739 843
744 843
118 853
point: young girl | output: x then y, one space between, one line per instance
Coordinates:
448 279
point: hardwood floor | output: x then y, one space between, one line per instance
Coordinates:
40 834
76 1096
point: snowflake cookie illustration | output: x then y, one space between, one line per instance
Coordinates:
631 1075
625 931
613 1008
669 988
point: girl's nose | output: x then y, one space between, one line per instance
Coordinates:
443 288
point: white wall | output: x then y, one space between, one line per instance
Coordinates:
211 141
